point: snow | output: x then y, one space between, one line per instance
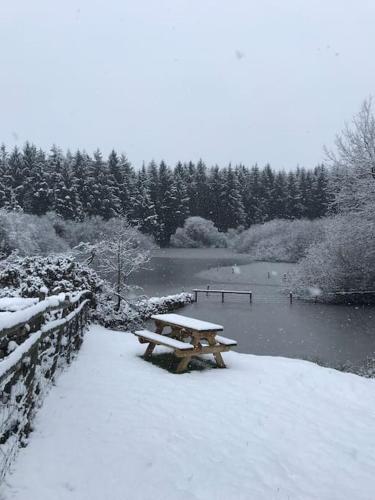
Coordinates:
183 297
177 344
16 355
117 427
58 322
186 322
30 307
11 319
314 291
16 303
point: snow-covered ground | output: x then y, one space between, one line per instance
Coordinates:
120 428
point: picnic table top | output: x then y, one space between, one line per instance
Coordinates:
188 323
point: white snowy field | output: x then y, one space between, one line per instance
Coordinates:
120 428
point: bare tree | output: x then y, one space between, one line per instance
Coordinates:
119 251
353 163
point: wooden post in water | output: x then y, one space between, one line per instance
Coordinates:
222 297
208 287
291 297
195 296
251 297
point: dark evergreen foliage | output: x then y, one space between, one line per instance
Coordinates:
157 197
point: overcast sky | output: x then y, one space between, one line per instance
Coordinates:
224 80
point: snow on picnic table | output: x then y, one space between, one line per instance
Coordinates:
118 427
186 322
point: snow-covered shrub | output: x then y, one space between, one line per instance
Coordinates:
198 233
93 229
25 276
43 235
343 261
279 240
131 315
28 234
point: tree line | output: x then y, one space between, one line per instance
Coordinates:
156 197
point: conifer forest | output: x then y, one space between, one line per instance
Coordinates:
158 198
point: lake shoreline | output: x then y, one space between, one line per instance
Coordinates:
332 334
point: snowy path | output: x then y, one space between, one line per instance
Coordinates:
117 427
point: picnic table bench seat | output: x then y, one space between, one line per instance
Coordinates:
163 340
225 341
167 341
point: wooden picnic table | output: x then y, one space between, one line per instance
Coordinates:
187 337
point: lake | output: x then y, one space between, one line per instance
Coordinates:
332 334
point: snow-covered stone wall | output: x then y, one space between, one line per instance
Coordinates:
36 343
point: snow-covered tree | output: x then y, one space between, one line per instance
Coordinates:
118 252
233 212
28 234
353 164
344 259
143 212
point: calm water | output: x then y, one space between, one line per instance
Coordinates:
270 326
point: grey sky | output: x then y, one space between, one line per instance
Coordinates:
226 80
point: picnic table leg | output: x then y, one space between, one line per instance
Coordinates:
159 327
183 364
177 333
149 350
217 355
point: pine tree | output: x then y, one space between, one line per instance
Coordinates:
128 186
143 211
191 189
80 168
233 213
99 198
169 218
115 183
215 188
5 181
181 205
320 193
293 202
65 202
267 179
254 212
246 190
37 197
16 175
278 196
154 185
201 190
302 188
